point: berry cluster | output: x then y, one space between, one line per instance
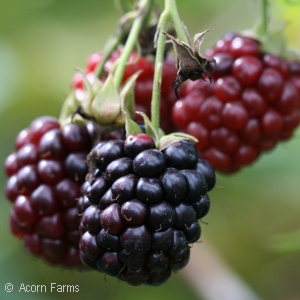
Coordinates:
252 103
140 208
45 173
144 83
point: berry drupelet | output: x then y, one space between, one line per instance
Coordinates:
46 173
140 211
252 103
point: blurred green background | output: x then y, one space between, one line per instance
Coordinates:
41 41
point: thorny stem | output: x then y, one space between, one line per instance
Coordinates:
170 13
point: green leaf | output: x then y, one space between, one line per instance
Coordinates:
150 130
106 106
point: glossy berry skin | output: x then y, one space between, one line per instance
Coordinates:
252 104
144 83
139 226
46 173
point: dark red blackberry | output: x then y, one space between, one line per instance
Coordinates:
45 173
146 209
252 104
144 83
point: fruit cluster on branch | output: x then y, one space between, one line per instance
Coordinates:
141 206
252 103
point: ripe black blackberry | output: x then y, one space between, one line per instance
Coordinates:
141 206
46 173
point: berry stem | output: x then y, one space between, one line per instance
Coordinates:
155 101
142 12
265 15
171 7
112 44
170 13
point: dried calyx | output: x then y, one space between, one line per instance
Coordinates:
191 64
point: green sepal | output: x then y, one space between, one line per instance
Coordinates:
273 41
127 98
88 92
106 105
75 119
257 31
150 129
70 105
167 140
127 94
161 133
185 136
131 126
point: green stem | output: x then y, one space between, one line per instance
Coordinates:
143 6
265 15
171 7
155 102
112 44
170 13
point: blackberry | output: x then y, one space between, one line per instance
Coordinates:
46 177
140 221
252 104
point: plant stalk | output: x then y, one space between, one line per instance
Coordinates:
143 8
265 15
155 101
171 7
170 13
